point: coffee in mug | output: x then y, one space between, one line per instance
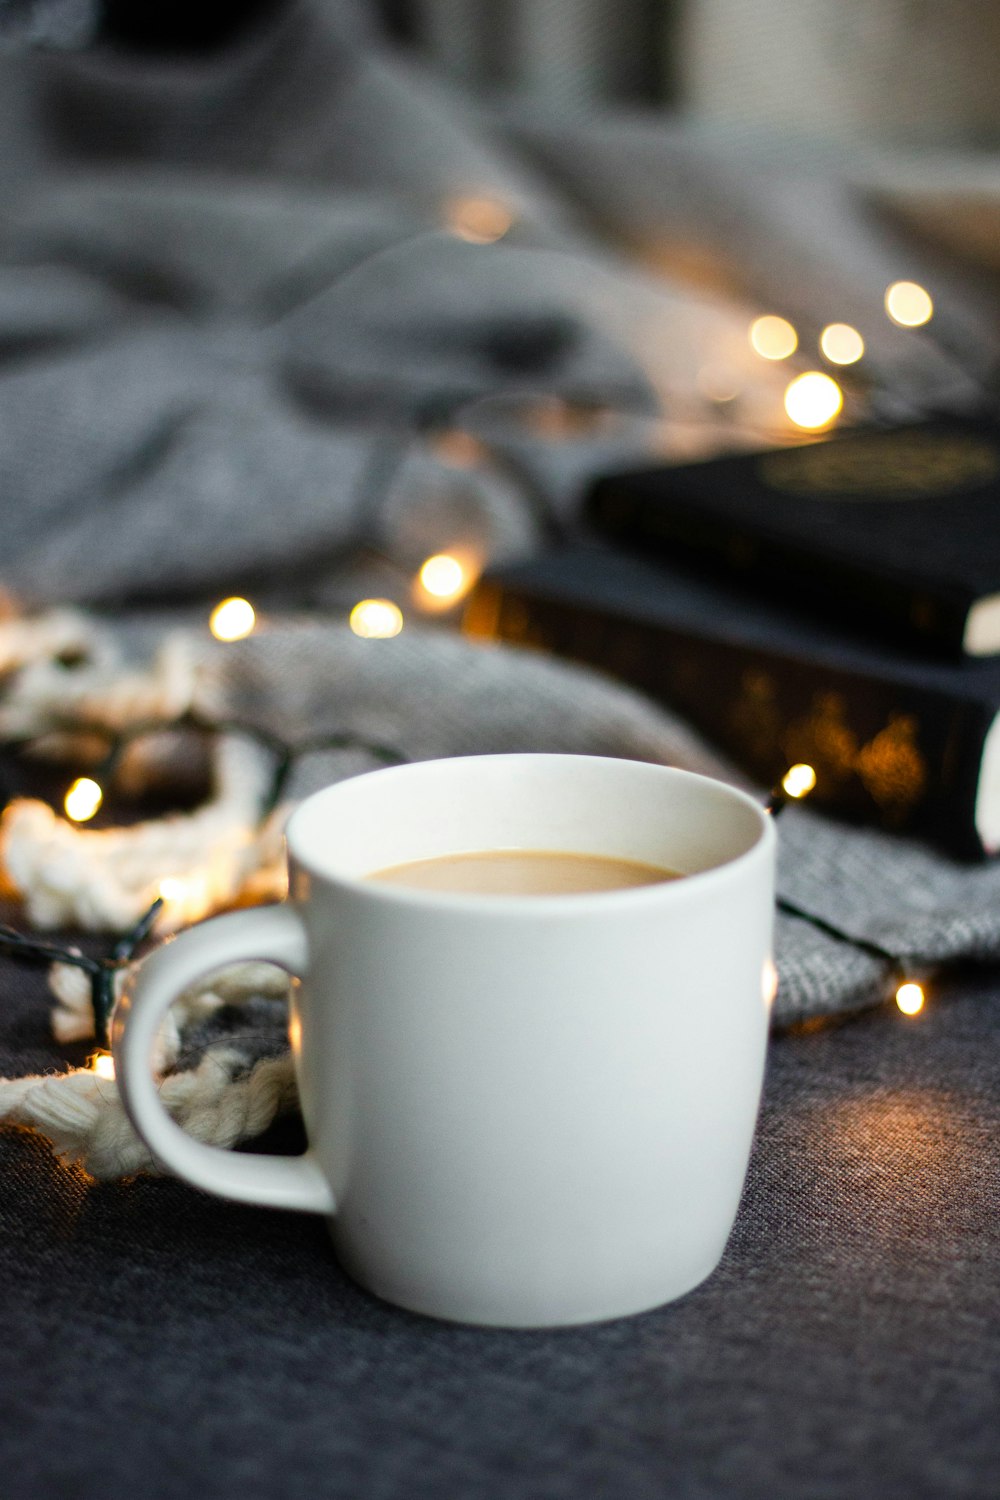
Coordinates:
522 872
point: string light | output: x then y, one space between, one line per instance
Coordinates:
910 998
908 304
103 1064
841 344
100 971
479 221
376 619
799 780
813 400
772 337
444 579
443 576
83 799
232 620
188 899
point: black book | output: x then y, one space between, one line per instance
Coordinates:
907 744
898 528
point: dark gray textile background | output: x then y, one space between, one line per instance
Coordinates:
161 1343
49 23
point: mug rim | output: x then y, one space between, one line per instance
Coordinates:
692 882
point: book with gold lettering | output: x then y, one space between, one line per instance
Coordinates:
898 528
907 744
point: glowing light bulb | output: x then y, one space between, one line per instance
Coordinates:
772 337
479 221
910 998
769 982
444 579
799 780
103 1064
443 576
82 800
187 898
376 619
232 620
813 400
908 304
841 344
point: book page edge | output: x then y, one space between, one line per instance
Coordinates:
981 636
987 812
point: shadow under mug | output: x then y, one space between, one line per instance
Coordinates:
522 1111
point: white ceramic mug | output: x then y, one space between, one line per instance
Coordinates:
521 1110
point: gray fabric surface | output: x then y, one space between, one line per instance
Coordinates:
232 313
49 23
786 222
924 908
163 1343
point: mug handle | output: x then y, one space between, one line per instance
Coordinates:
272 934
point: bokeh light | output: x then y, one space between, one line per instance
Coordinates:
232 620
799 780
910 998
83 799
376 619
813 400
443 576
479 221
908 304
772 337
841 344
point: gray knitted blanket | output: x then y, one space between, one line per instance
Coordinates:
246 304
427 693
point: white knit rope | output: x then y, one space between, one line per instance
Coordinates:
41 638
73 1017
83 1116
106 878
44 694
81 1113
68 875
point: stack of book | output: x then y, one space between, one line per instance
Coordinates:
836 603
